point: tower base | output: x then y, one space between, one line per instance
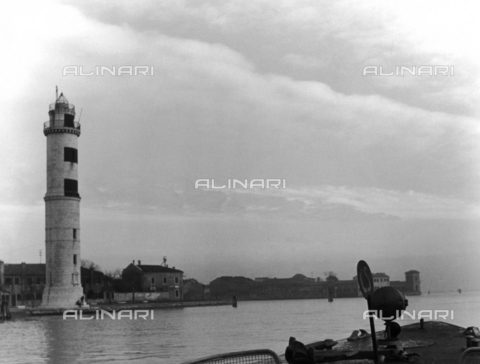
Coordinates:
63 297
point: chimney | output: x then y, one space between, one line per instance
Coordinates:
133 262
139 262
173 267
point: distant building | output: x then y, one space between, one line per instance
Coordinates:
296 278
96 285
4 295
155 278
347 288
300 286
24 282
412 277
411 285
380 280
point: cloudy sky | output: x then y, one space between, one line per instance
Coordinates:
380 168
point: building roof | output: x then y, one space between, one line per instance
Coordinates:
377 275
302 277
412 271
30 269
157 269
233 279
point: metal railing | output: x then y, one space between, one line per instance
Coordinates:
470 356
61 124
260 356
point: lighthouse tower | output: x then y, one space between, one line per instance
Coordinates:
62 208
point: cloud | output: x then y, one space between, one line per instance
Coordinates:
226 101
298 60
322 203
208 111
343 36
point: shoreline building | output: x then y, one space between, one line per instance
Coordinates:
62 208
24 283
161 281
380 280
411 284
300 286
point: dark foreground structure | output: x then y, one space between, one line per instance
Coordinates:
435 343
424 342
428 343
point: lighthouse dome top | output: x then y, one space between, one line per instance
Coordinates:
61 99
61 103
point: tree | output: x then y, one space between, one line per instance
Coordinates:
89 264
132 280
331 279
114 274
331 276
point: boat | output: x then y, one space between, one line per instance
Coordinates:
431 342
423 342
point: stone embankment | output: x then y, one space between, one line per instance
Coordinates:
128 306
157 305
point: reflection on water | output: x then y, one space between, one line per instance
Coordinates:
177 335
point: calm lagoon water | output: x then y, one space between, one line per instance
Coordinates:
177 335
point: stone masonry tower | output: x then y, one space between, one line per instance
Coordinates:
62 208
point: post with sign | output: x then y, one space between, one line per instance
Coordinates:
365 282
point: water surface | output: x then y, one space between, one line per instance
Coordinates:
176 335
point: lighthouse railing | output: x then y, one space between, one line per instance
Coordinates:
61 124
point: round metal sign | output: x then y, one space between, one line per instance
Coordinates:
365 278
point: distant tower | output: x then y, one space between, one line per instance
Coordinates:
412 278
62 208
